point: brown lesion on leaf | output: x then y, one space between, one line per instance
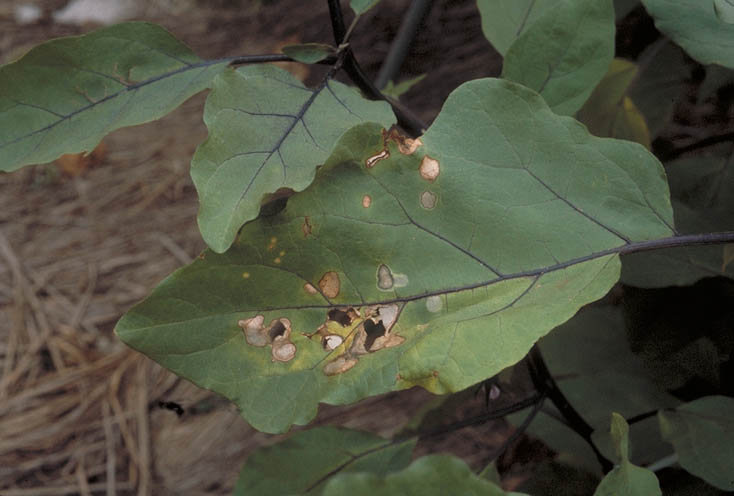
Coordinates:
366 201
354 333
273 242
277 335
406 146
385 280
310 289
372 161
428 200
330 284
429 168
306 227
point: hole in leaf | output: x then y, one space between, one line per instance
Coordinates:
374 331
371 161
277 329
340 316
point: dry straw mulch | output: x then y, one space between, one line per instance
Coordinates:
79 412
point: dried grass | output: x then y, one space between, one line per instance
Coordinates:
78 410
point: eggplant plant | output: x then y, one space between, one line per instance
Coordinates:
354 250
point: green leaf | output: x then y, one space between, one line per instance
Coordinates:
702 433
433 474
724 10
65 95
267 131
564 53
598 373
309 53
437 266
624 7
626 479
696 27
609 111
361 6
664 79
396 90
504 20
303 463
702 188
552 478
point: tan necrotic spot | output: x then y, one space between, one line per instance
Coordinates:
245 275
371 161
385 280
434 304
306 227
310 289
330 284
339 365
428 200
366 201
277 334
429 168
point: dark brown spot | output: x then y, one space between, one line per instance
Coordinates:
340 316
306 227
276 329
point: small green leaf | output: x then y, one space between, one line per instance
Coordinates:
361 6
65 95
626 479
396 90
609 111
504 20
697 27
598 373
267 131
309 53
305 462
433 474
501 238
564 53
702 433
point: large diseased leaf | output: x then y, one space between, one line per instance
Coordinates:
437 266
433 474
696 27
63 96
564 53
702 433
504 20
267 131
305 462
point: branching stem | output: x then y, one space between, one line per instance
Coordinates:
544 382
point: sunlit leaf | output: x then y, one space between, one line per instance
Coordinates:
609 111
696 27
304 463
309 53
65 95
626 479
436 262
433 474
267 131
504 20
564 53
702 433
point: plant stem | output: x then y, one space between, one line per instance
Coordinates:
544 382
706 142
400 45
406 118
520 430
677 241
